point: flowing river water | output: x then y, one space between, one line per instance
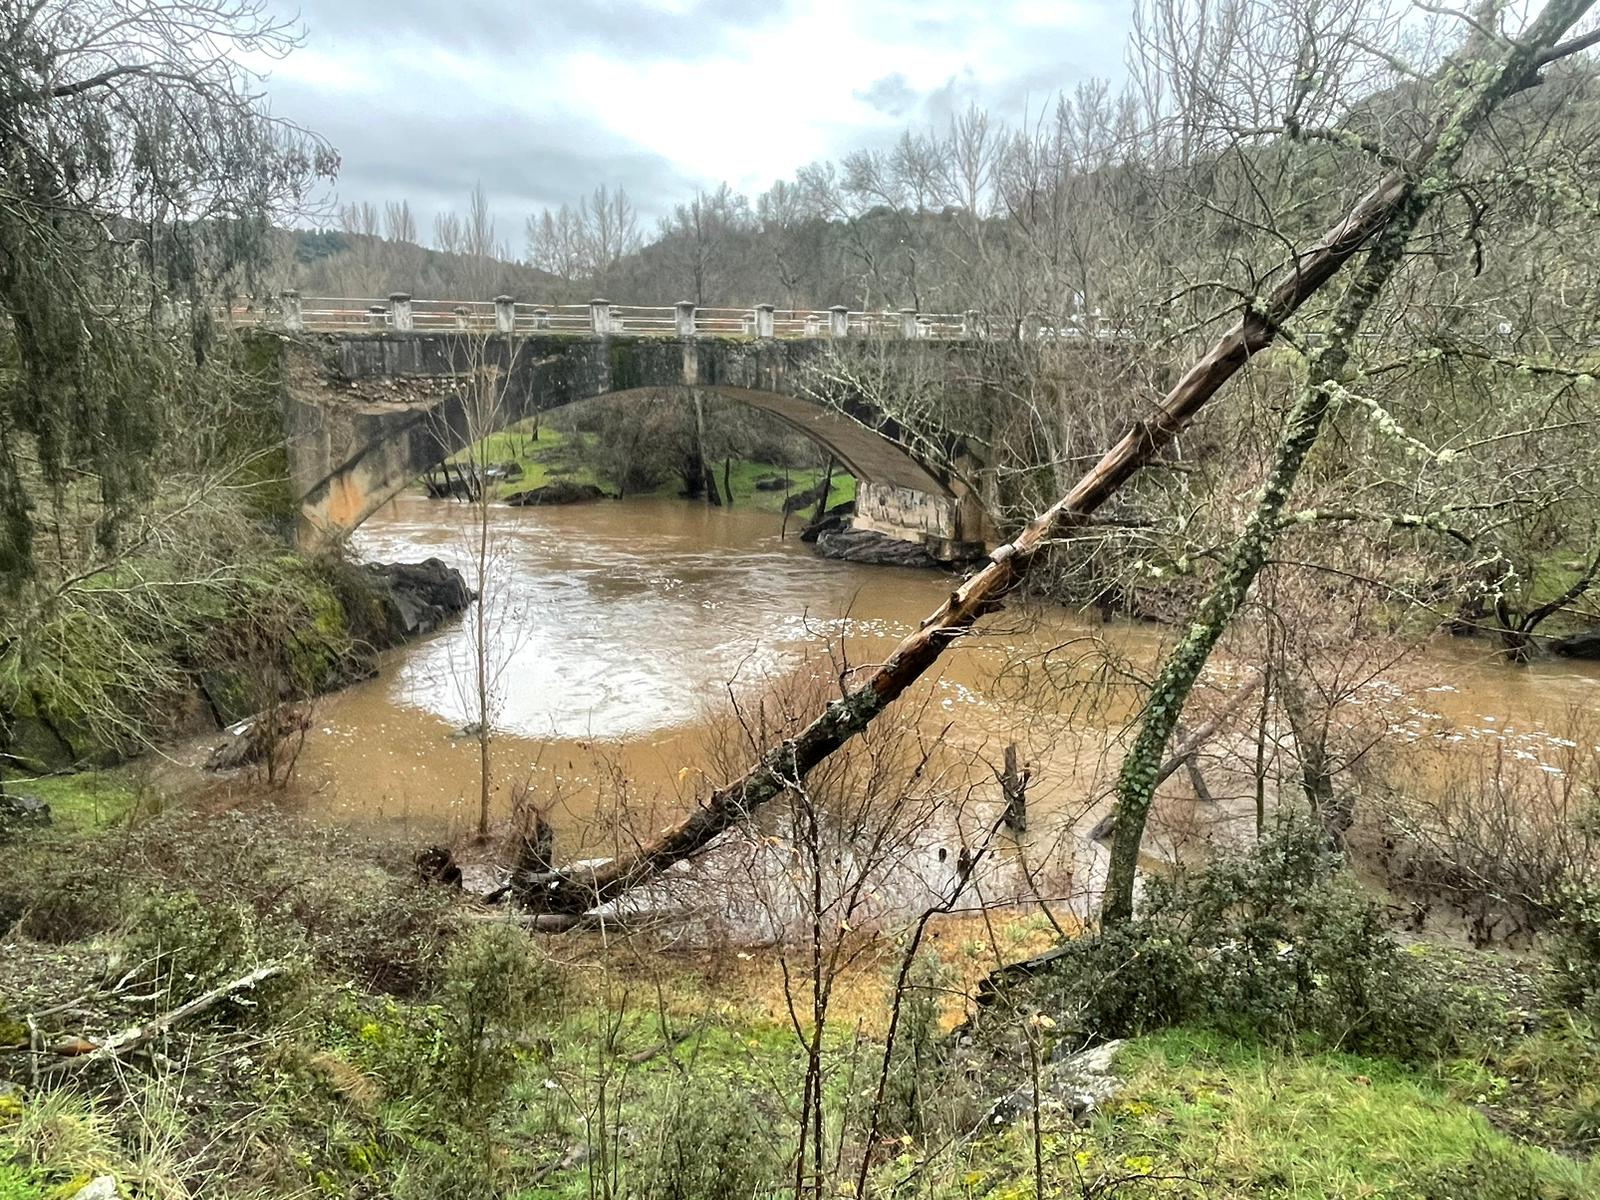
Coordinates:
630 635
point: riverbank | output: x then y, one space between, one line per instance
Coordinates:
401 1042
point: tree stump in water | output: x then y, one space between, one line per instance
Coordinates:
258 739
1014 787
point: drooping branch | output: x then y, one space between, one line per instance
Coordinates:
579 888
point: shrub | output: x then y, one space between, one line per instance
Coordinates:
1492 838
1278 942
187 944
712 1144
907 1100
1575 949
496 981
57 897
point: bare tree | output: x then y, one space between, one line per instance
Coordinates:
399 222
492 621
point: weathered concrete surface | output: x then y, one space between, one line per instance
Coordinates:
366 414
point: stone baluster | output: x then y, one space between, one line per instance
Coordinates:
541 318
600 317
378 316
908 322
461 316
764 320
293 316
400 311
971 324
505 314
684 312
838 321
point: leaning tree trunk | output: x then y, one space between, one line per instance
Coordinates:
781 766
1425 178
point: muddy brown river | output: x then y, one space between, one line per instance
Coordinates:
635 640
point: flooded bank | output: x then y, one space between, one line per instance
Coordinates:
636 638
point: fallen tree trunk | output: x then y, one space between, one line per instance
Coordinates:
784 765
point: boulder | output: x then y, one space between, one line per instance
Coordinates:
1579 645
18 809
837 517
560 491
1077 1082
417 598
869 546
772 483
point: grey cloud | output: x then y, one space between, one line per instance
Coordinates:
434 158
891 95
408 137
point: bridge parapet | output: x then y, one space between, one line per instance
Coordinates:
402 313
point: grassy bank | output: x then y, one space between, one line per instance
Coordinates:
412 1045
558 455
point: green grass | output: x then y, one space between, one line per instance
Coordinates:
1207 1116
556 454
16 1184
87 801
745 472
552 455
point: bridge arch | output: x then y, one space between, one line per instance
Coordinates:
378 411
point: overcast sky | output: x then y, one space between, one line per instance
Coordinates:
543 101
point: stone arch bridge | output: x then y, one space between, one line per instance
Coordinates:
369 412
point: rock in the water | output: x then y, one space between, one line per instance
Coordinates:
254 740
559 491
417 598
1579 645
837 517
869 546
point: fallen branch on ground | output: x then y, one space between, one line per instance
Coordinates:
139 1035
